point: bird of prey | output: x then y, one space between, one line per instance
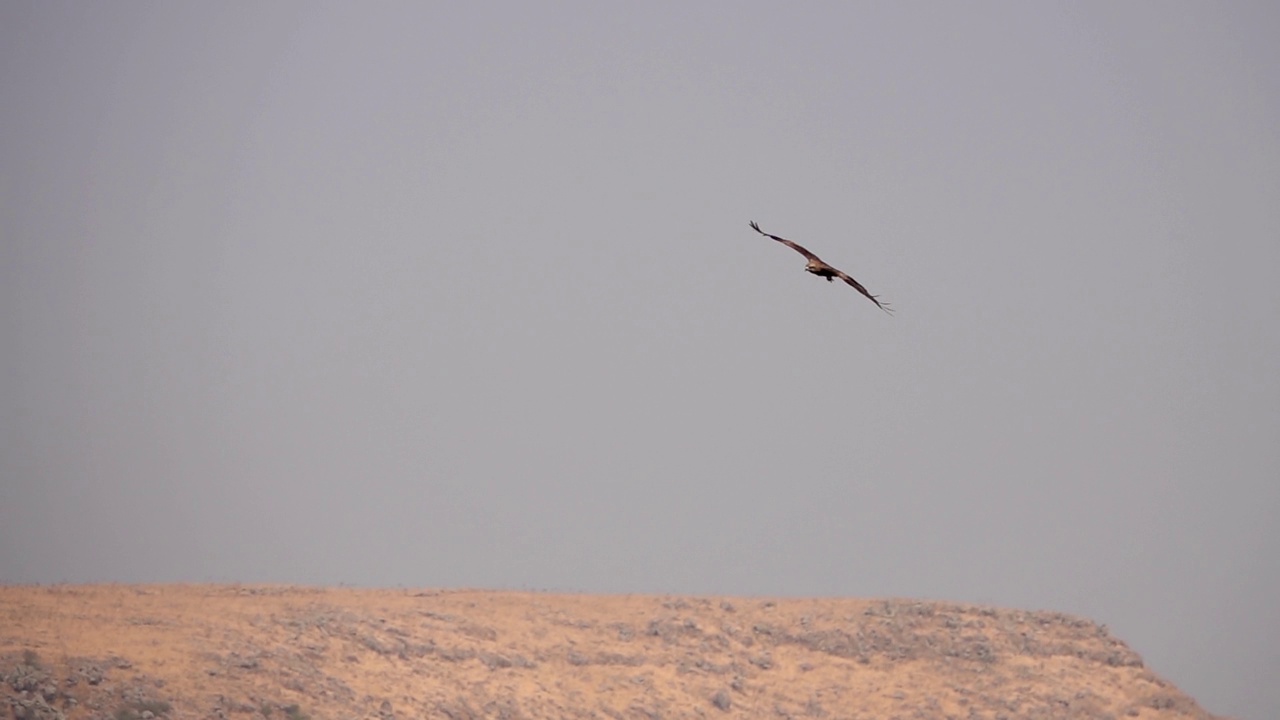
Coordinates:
821 269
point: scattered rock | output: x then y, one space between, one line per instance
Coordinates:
34 708
27 678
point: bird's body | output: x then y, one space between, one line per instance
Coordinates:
822 269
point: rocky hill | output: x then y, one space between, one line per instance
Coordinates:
118 652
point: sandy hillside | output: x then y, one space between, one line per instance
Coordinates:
196 651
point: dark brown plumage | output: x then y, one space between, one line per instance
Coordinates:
821 269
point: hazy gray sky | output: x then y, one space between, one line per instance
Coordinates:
464 295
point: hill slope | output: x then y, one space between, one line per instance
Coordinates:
134 652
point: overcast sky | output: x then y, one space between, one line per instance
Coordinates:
446 295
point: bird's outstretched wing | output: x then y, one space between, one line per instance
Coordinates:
858 286
788 243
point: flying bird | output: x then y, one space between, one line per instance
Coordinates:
821 269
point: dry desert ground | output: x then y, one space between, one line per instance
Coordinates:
125 652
